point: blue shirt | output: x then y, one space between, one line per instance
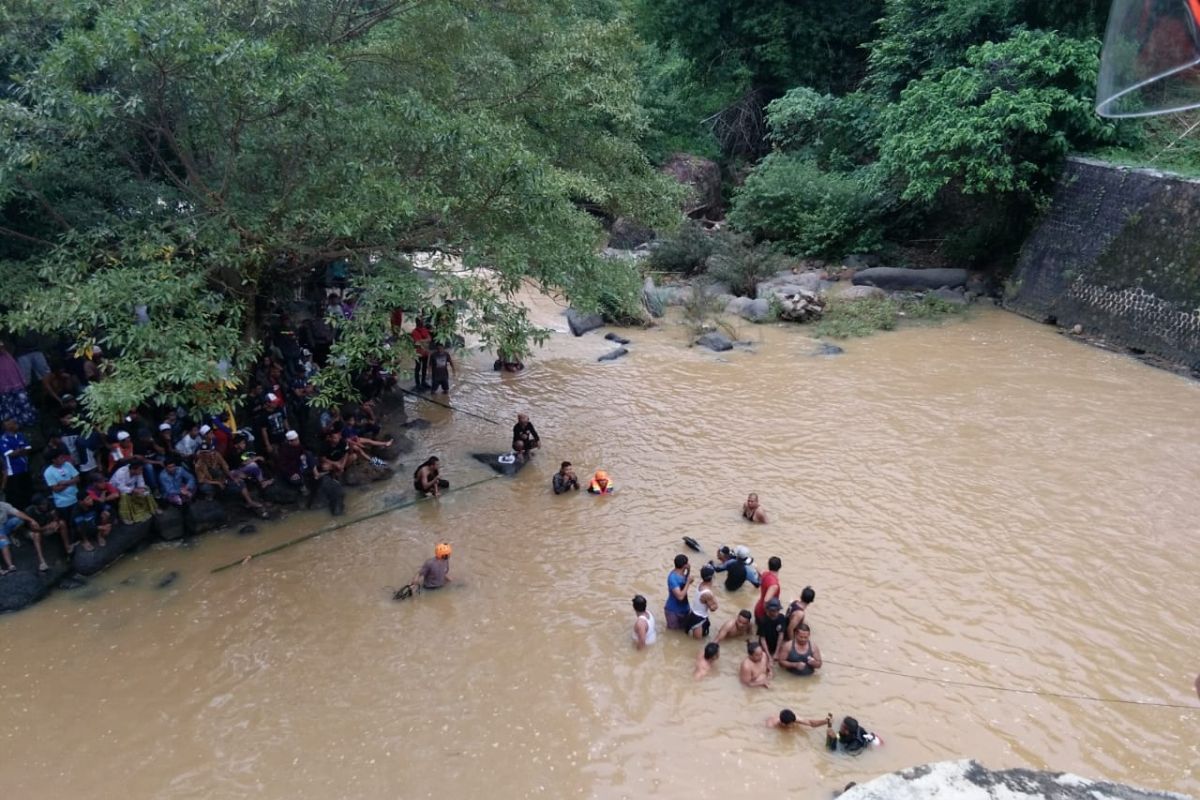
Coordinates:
69 495
16 465
172 484
676 581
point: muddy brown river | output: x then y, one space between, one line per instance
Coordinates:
984 502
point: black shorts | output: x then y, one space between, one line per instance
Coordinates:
441 381
696 621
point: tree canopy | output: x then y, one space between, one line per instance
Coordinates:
195 157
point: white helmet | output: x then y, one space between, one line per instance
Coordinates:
742 552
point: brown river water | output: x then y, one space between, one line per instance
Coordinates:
983 502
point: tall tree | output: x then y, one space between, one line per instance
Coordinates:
192 157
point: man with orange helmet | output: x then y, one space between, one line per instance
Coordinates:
434 573
601 484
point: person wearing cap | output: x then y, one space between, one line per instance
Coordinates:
799 655
12 518
565 480
706 660
271 422
434 573
644 632
752 511
702 605
120 450
291 461
772 626
208 439
769 588
600 484
756 669
677 608
738 567
63 481
740 627
177 484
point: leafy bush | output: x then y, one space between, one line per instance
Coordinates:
846 319
839 133
686 251
620 296
812 212
743 264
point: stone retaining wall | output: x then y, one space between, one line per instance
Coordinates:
1118 253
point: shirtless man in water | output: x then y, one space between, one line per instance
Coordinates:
426 480
752 511
705 661
740 627
756 667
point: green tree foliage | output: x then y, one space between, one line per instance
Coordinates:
196 156
1001 123
769 45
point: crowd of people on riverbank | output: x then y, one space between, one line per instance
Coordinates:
63 477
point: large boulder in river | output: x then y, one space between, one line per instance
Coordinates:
582 323
626 234
703 177
21 588
121 540
206 514
968 780
899 279
758 310
715 341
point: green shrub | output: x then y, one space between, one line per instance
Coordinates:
811 212
686 251
846 319
742 264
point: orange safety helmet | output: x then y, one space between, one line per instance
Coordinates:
441 550
600 475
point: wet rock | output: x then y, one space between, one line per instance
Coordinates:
582 323
122 540
20 589
861 293
173 523
970 780
207 515
859 261
738 305
614 354
612 337
361 473
503 463
954 297
827 349
652 299
167 580
715 341
758 310
247 529
626 234
281 493
901 279
417 424
331 494
72 582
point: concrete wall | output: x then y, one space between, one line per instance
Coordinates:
1118 252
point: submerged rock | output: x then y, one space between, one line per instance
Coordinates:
122 539
715 341
504 463
968 780
614 354
167 580
612 337
827 349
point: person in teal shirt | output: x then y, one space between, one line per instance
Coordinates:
63 480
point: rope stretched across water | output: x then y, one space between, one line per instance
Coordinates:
420 396
344 524
1038 692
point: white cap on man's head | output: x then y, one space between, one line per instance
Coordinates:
292 436
122 435
742 552
166 426
205 429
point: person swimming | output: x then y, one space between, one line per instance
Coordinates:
752 511
850 737
601 484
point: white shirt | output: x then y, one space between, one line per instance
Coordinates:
651 634
125 482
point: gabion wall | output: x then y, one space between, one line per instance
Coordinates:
1118 252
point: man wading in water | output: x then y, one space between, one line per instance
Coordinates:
434 573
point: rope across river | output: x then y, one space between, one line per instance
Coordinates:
346 523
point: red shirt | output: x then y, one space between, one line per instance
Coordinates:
769 579
421 336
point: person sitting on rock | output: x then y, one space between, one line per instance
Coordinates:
50 522
565 480
427 480
291 461
92 515
214 476
752 511
525 437
136 504
12 518
600 483
176 483
247 462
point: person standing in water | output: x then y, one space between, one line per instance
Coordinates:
565 480
441 365
741 627
706 602
644 632
679 580
434 573
706 660
799 655
752 511
756 668
768 590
